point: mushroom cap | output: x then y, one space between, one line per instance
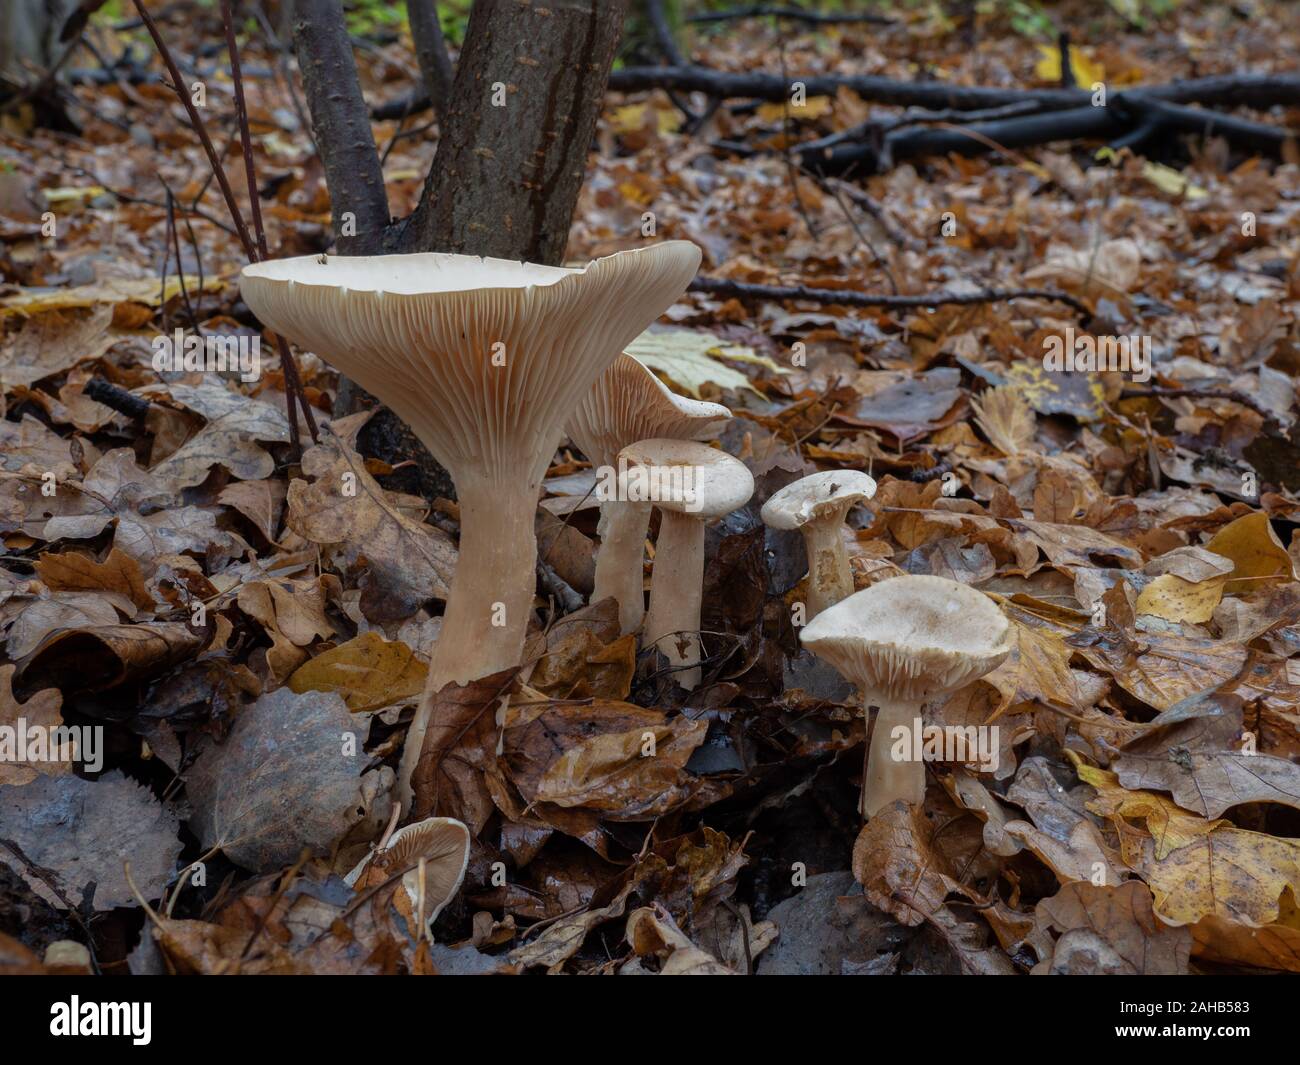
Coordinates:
629 403
443 842
911 638
817 496
484 358
715 483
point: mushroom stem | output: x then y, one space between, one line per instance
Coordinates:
486 618
887 780
673 620
829 576
619 562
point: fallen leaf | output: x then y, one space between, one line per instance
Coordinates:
82 832
40 711
369 672
1107 931
343 508
1257 555
291 774
689 359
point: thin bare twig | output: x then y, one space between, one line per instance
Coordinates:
288 365
719 286
178 86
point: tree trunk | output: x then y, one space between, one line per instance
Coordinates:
523 109
341 125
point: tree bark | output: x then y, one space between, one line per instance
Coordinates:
431 51
523 109
341 125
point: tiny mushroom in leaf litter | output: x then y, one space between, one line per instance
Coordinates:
629 403
440 844
485 359
817 506
904 642
690 483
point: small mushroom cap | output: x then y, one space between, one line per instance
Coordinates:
629 403
443 842
911 638
714 482
817 496
485 359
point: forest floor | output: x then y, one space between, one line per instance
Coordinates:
167 574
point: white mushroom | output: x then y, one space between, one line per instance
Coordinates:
903 643
485 360
626 404
438 844
817 506
692 483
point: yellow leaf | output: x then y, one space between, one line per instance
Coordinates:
1194 867
813 107
1257 555
634 193
1170 181
1006 419
1086 72
114 290
66 195
670 120
369 672
632 118
1177 600
629 118
688 358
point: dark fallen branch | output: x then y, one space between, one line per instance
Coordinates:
1129 120
1252 136
759 86
868 157
795 14
1247 90
553 584
718 286
1232 90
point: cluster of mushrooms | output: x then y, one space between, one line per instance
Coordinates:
492 362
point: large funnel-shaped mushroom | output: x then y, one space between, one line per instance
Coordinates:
905 642
485 360
626 404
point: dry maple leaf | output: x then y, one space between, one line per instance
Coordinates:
1006 419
